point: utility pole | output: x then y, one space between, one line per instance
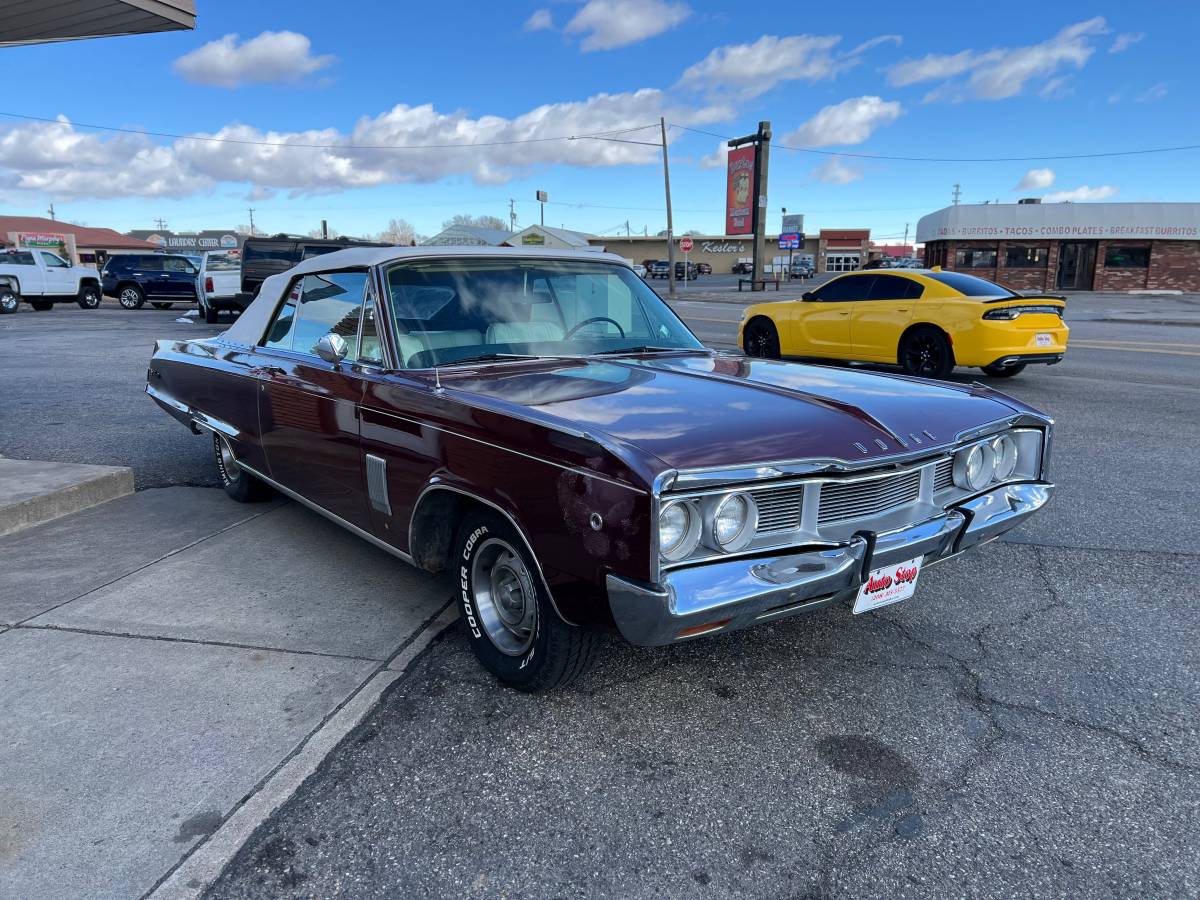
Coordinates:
512 214
324 229
251 211
957 191
662 122
626 228
51 212
905 234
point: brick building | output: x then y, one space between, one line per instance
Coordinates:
1031 246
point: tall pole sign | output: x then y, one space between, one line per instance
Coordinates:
746 192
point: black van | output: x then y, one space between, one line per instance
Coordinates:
263 257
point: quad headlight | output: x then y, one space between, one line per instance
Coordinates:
678 530
726 523
1014 454
732 522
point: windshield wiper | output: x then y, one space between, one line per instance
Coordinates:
492 357
644 348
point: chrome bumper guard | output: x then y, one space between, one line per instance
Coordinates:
726 596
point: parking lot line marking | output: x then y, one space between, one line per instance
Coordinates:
1133 343
1137 350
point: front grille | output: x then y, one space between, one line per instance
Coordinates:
856 499
943 474
779 508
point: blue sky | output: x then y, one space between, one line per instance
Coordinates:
976 80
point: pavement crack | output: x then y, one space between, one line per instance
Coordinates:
97 632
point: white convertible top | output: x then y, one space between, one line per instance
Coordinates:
252 324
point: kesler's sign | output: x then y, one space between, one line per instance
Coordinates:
739 191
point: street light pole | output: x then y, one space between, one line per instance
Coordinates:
670 223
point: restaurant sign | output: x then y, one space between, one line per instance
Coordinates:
739 190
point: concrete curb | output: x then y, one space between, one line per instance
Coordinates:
33 492
199 870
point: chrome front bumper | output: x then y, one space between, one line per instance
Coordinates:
725 596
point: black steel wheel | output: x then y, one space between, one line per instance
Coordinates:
9 300
926 352
1005 371
761 339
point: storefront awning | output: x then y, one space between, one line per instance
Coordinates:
36 21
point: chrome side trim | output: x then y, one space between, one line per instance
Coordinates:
377 489
537 563
587 473
199 419
332 517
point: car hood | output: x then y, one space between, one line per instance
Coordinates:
700 410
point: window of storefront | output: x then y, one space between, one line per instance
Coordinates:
841 263
1127 257
975 258
1026 257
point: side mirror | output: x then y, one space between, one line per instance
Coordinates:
808 295
332 348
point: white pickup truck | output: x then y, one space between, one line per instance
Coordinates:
42 278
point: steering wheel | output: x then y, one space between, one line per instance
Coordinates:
592 320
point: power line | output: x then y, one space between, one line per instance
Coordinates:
945 159
595 135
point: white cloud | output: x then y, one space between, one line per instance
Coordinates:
607 24
837 170
1056 88
273 56
1035 180
717 159
1081 194
752 69
1152 94
848 122
55 159
1125 41
541 20
1003 72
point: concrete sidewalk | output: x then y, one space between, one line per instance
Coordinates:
162 658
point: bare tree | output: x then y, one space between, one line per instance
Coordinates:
400 232
476 222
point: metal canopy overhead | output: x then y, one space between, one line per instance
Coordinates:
39 21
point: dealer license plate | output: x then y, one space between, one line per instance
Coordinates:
1044 340
889 584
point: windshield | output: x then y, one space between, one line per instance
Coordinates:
454 310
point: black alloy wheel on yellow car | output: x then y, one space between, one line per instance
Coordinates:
925 351
1004 371
761 339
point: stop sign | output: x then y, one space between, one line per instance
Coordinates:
685 244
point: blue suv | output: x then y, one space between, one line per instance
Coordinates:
161 278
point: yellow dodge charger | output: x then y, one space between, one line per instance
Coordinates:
925 320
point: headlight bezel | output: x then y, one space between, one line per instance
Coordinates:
744 536
1028 449
691 533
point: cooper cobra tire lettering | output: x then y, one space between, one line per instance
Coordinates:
464 582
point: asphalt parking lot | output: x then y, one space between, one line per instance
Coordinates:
1026 724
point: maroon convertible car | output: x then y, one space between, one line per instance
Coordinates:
541 426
